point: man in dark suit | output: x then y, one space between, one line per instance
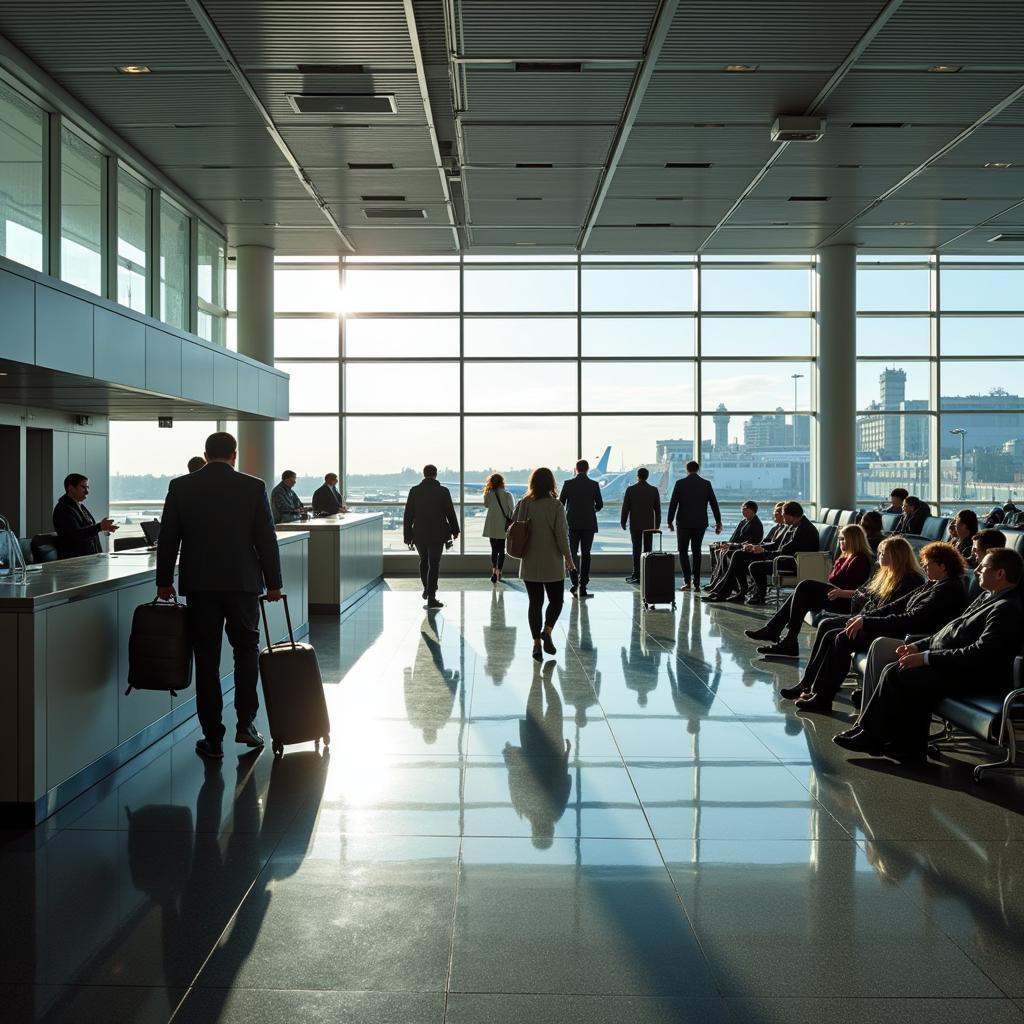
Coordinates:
915 512
972 654
221 521
582 499
285 503
802 537
77 531
688 516
641 509
750 530
327 498
430 522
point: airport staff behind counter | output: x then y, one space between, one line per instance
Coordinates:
77 530
327 499
284 502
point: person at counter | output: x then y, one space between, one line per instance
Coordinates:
77 530
220 519
327 500
285 502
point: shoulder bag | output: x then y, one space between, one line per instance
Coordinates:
517 536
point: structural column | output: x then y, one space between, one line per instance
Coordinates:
837 377
255 268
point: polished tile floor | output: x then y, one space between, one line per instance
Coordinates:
636 830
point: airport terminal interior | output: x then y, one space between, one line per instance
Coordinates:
783 239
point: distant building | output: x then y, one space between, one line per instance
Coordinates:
767 431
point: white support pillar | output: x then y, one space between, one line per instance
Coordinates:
255 269
837 377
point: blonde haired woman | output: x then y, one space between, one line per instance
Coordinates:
849 571
499 505
542 568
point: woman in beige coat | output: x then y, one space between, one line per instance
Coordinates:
547 556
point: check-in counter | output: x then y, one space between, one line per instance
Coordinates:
346 558
65 720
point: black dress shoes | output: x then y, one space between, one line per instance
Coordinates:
816 702
433 603
249 735
792 692
783 649
856 697
764 633
210 749
548 643
739 598
860 743
757 598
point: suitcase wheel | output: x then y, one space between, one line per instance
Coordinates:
277 748
327 740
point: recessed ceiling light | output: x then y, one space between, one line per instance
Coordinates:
902 223
945 69
1002 164
133 69
740 67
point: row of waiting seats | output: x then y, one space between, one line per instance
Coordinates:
40 548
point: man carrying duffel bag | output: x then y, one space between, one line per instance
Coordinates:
221 521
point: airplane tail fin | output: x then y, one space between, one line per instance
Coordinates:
602 463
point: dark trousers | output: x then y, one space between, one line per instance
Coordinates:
580 543
497 552
556 597
209 614
809 596
430 566
642 539
831 656
761 571
735 576
720 561
690 539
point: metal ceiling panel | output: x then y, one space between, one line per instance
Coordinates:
946 212
783 181
319 241
945 181
554 183
226 146
265 33
270 211
915 239
629 212
645 241
1011 215
352 214
238 183
505 95
651 182
341 183
755 240
989 33
748 145
402 242
211 98
540 30
506 145
326 146
783 212
989 144
697 97
786 33
511 212
918 97
978 243
871 147
525 240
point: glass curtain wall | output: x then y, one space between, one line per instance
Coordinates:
500 365
211 299
940 380
174 230
22 128
81 213
132 241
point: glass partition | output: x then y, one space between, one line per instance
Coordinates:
132 242
81 213
22 128
174 276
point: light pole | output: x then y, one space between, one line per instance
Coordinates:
963 434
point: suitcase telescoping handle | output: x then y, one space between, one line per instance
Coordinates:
266 626
657 533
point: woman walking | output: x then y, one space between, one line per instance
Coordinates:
547 556
499 505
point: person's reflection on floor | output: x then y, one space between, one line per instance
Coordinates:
430 688
538 769
642 663
499 640
580 689
695 681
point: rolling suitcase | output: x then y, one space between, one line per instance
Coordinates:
657 576
293 689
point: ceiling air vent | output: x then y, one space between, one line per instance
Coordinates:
330 69
797 129
807 199
1004 237
534 166
383 199
394 213
370 167
342 103
559 67
877 124
529 199
676 166
653 224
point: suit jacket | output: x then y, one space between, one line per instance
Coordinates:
327 500
429 514
641 506
912 523
923 610
749 531
285 503
688 506
582 499
221 521
864 603
776 534
802 536
981 644
77 530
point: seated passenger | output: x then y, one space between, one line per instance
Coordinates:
915 512
962 529
973 654
984 540
849 571
77 531
924 610
749 531
872 524
284 502
776 533
896 498
994 518
327 499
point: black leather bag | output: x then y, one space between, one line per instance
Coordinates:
160 648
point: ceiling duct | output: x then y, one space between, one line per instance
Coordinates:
394 213
342 103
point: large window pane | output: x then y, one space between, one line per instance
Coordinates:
766 457
749 385
520 290
755 289
21 180
310 338
314 386
306 291
132 262
211 296
893 288
81 213
401 338
401 291
520 387
402 387
533 337
895 386
753 336
644 289
144 457
987 288
982 335
173 266
638 387
893 451
893 335
993 464
385 455
308 446
988 384
638 336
